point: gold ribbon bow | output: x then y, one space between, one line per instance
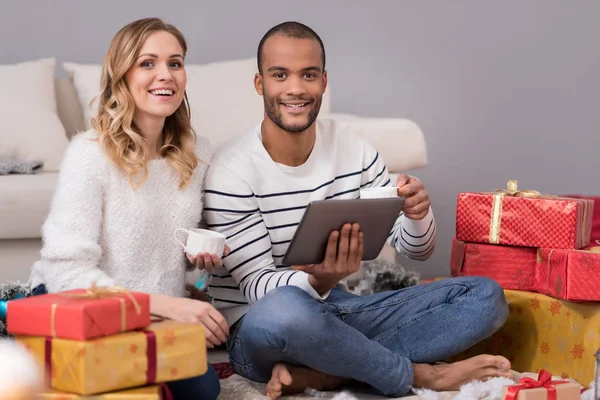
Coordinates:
512 190
96 292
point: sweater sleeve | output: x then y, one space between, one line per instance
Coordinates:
413 238
231 208
71 251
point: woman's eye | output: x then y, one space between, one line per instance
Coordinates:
146 64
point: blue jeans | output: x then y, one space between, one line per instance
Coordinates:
372 339
204 387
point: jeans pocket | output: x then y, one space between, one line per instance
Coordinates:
237 356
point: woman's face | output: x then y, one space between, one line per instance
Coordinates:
157 79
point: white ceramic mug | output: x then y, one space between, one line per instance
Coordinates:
379 192
202 241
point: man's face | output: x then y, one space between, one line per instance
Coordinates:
292 82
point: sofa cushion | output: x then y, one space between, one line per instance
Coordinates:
24 204
223 101
69 110
31 129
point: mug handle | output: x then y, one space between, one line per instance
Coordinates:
176 238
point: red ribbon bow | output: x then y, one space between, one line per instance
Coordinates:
544 380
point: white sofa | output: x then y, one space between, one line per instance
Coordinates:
223 103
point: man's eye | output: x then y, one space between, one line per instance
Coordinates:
309 75
279 75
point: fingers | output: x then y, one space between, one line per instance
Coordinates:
411 188
206 261
354 238
218 318
226 251
344 244
402 180
214 333
419 210
215 261
331 251
360 246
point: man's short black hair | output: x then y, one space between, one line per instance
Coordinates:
289 29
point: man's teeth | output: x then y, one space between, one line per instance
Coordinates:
295 105
163 92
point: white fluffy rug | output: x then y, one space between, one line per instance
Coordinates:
238 388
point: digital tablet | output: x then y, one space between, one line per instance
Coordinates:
376 218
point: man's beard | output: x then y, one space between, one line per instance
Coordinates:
274 113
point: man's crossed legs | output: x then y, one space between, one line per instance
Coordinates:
388 340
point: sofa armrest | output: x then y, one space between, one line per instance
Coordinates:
400 141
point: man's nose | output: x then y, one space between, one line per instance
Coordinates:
296 86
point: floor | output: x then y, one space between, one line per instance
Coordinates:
238 388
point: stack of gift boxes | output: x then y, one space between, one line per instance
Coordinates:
102 342
539 249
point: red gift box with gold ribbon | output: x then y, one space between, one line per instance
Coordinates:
524 218
164 351
80 314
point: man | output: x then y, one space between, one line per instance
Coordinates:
294 327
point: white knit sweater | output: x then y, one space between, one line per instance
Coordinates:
101 230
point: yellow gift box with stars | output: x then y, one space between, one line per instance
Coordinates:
144 393
164 351
546 333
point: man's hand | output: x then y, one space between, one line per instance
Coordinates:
416 204
207 261
342 258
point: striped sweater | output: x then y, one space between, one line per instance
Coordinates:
258 203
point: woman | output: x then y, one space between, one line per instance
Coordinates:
128 183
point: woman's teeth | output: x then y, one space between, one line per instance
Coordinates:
162 92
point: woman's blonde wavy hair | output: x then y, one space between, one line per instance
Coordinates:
118 136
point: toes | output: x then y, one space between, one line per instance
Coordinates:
501 363
285 377
498 362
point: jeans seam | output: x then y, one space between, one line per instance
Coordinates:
393 303
426 313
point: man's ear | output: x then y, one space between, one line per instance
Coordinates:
324 81
258 83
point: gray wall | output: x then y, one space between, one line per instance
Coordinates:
502 89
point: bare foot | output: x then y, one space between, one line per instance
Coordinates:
450 377
287 379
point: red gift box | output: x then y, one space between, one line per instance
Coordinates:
512 267
524 218
79 314
569 274
596 215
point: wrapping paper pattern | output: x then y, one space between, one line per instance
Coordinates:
545 333
512 267
520 221
569 274
164 351
143 393
79 314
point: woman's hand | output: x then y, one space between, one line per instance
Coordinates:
207 261
192 311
